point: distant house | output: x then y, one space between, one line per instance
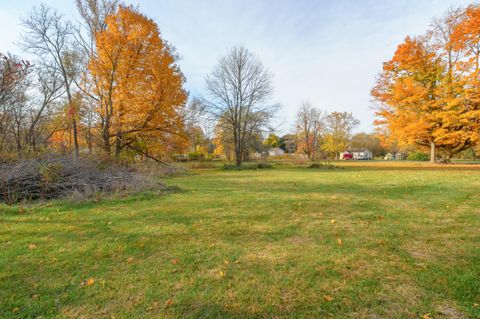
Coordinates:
395 157
277 151
357 154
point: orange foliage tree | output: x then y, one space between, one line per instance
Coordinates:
139 87
428 93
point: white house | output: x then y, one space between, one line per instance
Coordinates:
395 157
277 151
357 154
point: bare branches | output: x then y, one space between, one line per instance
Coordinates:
310 123
95 12
49 36
54 177
239 88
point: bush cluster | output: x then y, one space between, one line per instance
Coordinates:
418 156
55 177
250 166
323 166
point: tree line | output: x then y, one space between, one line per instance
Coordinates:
111 86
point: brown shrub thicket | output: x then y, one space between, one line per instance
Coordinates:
56 177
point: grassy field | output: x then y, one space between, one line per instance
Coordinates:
366 241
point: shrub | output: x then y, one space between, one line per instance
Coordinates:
212 157
418 156
249 166
264 165
196 156
201 165
323 166
55 177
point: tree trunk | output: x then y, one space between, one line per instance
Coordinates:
238 157
432 153
73 111
314 146
118 145
75 138
90 140
106 139
238 147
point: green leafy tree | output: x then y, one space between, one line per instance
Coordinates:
272 141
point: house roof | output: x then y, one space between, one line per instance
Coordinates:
358 150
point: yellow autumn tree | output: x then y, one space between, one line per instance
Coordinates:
139 85
406 93
426 95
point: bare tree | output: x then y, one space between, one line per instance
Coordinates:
309 125
50 86
94 13
50 37
29 112
14 84
13 72
239 89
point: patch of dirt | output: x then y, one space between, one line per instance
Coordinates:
419 250
299 240
399 298
449 312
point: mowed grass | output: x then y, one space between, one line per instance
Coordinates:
369 241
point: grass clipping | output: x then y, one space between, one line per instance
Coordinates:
57 177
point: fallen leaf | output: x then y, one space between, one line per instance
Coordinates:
333 221
340 242
426 316
174 261
130 260
15 310
88 282
328 298
32 246
476 305
168 303
221 274
226 262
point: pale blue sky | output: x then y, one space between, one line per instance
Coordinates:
326 51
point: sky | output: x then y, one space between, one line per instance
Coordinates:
326 52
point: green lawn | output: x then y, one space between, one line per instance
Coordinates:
360 242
